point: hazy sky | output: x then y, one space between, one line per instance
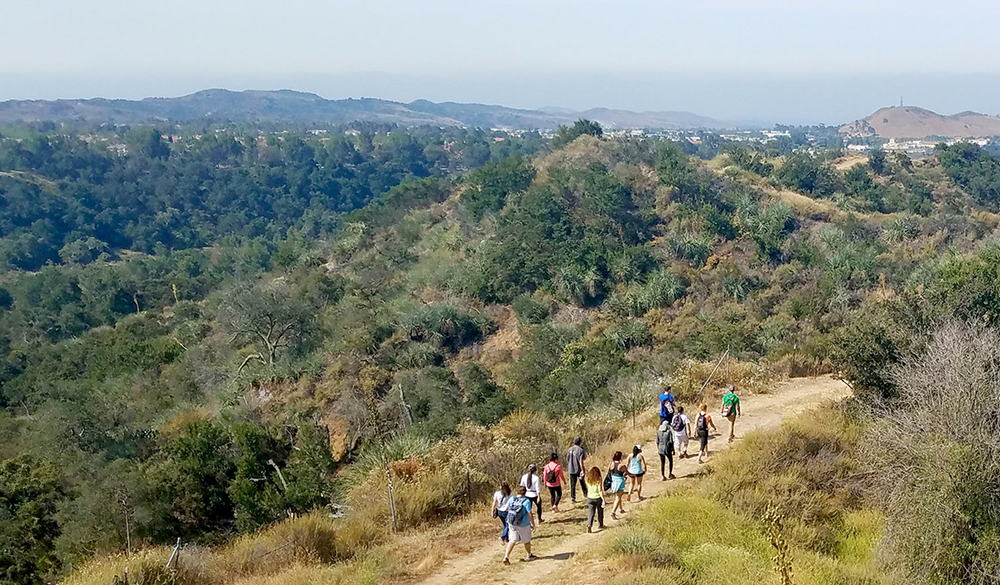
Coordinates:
780 60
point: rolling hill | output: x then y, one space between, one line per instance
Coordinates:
914 122
300 107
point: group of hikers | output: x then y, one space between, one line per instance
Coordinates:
517 510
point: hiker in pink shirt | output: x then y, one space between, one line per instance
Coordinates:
552 475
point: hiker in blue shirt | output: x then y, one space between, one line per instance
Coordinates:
520 523
666 406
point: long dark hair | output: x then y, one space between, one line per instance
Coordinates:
617 457
635 451
504 490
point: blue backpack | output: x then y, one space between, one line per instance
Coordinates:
516 511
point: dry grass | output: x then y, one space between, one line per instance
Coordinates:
938 456
817 209
294 549
747 377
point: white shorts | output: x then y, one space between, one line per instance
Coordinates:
680 442
520 534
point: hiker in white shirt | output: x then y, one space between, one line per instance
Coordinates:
532 485
680 425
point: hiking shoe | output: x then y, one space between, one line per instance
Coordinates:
529 558
672 476
506 561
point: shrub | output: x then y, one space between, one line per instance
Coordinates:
485 401
446 325
530 310
804 172
693 248
936 460
661 289
639 547
491 184
631 334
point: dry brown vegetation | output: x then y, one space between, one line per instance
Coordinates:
936 457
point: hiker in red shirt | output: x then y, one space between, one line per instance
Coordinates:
552 475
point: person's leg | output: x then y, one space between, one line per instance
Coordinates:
663 464
572 486
638 490
510 548
538 506
552 498
503 529
558 495
670 458
591 505
600 513
527 549
732 427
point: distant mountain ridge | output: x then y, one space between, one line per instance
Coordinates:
300 107
913 122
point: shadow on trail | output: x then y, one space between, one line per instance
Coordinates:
566 521
557 557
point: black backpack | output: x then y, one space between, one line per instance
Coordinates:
702 424
677 424
550 475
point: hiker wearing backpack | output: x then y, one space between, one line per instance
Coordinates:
615 484
520 523
533 488
554 480
666 406
731 410
500 500
575 458
595 498
701 425
665 448
681 426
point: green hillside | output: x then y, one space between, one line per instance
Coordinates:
200 338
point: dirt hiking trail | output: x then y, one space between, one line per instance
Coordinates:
563 536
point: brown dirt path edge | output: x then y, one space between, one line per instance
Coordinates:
564 536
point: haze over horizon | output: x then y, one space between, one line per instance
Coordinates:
744 60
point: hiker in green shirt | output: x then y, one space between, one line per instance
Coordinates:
731 410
